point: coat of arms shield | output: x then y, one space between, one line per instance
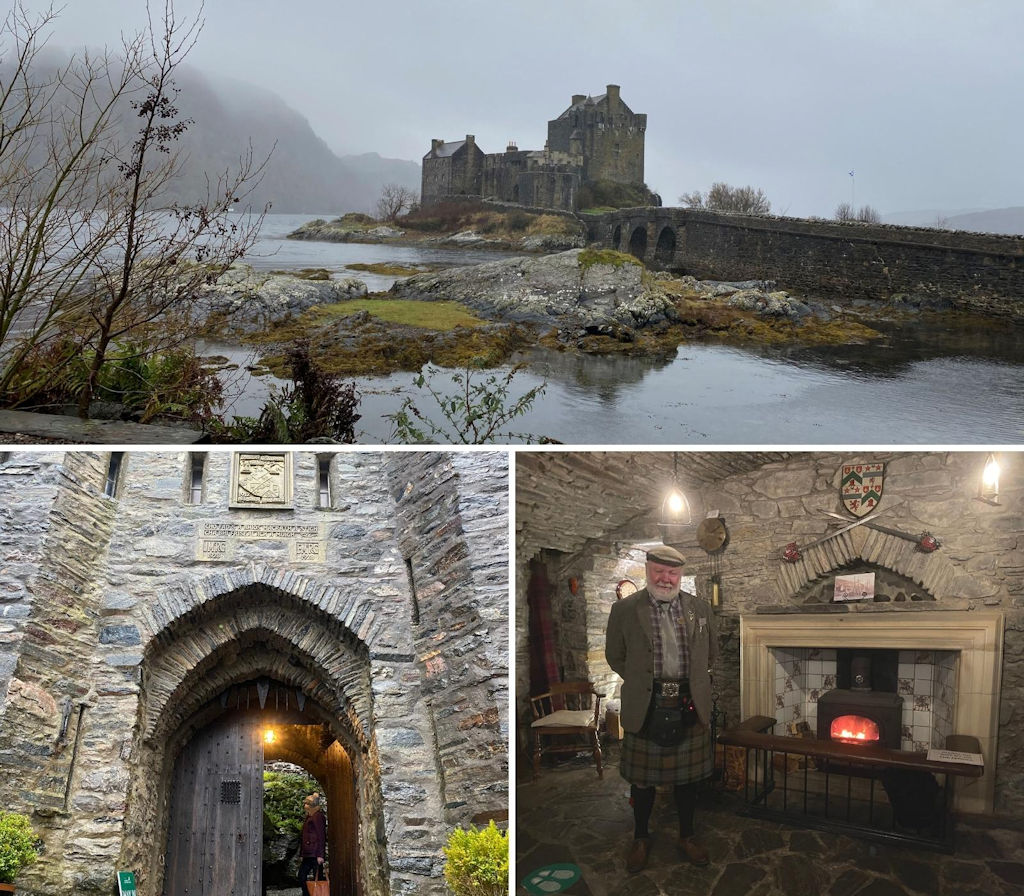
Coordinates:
861 487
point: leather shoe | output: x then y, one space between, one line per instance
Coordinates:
636 858
694 852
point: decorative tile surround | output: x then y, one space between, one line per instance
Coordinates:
927 681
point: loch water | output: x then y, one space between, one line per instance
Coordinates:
923 385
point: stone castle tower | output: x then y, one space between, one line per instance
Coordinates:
595 139
161 612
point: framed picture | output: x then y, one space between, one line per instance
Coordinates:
860 586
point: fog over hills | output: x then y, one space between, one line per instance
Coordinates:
302 175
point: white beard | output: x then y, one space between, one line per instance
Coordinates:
662 594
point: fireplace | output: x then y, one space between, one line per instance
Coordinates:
975 637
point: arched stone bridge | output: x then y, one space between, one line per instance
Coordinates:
837 261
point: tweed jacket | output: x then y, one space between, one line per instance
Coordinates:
630 652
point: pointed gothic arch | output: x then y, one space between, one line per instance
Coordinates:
299 637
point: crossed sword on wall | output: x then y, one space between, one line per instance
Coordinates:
925 542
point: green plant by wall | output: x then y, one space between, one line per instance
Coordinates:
477 862
283 793
17 845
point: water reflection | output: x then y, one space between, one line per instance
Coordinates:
929 383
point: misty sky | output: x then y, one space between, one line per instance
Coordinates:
921 99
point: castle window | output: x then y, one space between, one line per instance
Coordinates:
113 473
323 470
196 474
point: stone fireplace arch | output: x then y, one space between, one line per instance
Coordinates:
934 572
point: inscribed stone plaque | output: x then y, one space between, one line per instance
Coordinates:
218 540
261 480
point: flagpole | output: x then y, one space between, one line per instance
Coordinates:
853 204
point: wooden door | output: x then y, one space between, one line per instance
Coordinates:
215 836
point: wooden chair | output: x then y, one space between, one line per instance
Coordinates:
563 716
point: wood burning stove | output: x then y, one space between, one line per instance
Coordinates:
858 714
860 717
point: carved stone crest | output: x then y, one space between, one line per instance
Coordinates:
261 479
861 487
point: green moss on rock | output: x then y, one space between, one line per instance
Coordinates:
590 257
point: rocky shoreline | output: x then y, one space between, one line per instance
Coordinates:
342 231
578 299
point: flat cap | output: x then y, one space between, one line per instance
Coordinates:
666 556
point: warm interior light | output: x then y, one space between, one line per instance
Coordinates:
269 736
854 729
676 502
990 480
675 509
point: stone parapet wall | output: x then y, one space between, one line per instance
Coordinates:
840 262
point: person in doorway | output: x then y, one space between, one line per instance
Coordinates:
662 642
313 848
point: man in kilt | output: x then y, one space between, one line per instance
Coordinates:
662 642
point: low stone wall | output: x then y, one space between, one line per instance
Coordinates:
841 262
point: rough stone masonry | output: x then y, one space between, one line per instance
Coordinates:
362 597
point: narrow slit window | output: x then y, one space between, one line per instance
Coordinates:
197 471
113 473
412 592
324 481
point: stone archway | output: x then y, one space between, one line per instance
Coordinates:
665 249
638 242
213 646
617 237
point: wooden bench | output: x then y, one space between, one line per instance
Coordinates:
917 810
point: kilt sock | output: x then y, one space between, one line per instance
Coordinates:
686 806
642 799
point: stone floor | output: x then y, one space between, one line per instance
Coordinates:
569 815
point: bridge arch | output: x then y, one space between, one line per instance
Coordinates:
638 242
665 249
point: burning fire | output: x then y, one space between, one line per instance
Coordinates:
854 730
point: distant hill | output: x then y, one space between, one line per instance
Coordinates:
998 220
303 174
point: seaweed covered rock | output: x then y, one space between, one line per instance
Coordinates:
581 288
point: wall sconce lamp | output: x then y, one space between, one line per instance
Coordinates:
675 510
988 490
269 736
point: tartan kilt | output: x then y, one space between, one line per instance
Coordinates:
643 763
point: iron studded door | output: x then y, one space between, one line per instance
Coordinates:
215 835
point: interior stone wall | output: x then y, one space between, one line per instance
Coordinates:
979 564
